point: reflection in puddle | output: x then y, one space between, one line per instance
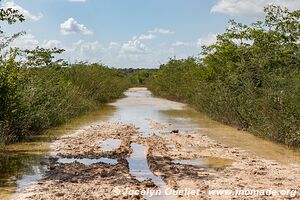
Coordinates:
27 179
170 146
110 144
87 161
189 119
139 168
19 161
138 165
210 162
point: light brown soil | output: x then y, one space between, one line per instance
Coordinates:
236 168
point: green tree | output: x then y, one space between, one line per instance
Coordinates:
41 57
9 76
250 77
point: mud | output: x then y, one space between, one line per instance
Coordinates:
220 166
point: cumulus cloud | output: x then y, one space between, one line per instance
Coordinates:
134 46
132 53
250 8
26 13
29 41
207 40
72 26
51 44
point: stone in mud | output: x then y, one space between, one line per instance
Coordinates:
105 173
60 194
148 183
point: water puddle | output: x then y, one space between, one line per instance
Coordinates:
26 180
110 144
134 137
209 162
138 165
87 161
170 146
139 168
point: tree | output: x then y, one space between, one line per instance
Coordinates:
10 16
41 57
9 74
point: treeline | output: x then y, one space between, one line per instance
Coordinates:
249 78
38 91
139 77
35 99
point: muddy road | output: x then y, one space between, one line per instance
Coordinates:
151 148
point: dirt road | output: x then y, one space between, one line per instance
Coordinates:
119 160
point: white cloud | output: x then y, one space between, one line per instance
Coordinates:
134 46
207 40
29 41
161 31
152 34
72 26
180 43
133 53
250 8
114 45
51 44
26 13
147 37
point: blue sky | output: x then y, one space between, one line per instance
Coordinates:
130 33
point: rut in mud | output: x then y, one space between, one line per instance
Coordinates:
106 159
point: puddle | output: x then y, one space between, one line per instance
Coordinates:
210 162
134 137
138 165
87 161
190 119
139 168
27 180
110 144
170 146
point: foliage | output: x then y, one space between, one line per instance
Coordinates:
10 103
49 96
140 77
10 16
41 57
249 78
10 99
43 92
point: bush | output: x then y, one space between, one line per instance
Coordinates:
249 78
49 96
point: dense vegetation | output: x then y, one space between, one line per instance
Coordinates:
45 97
249 78
39 91
139 77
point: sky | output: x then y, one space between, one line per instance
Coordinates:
130 33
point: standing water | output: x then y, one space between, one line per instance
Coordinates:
22 163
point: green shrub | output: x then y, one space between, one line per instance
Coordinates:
45 97
249 78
